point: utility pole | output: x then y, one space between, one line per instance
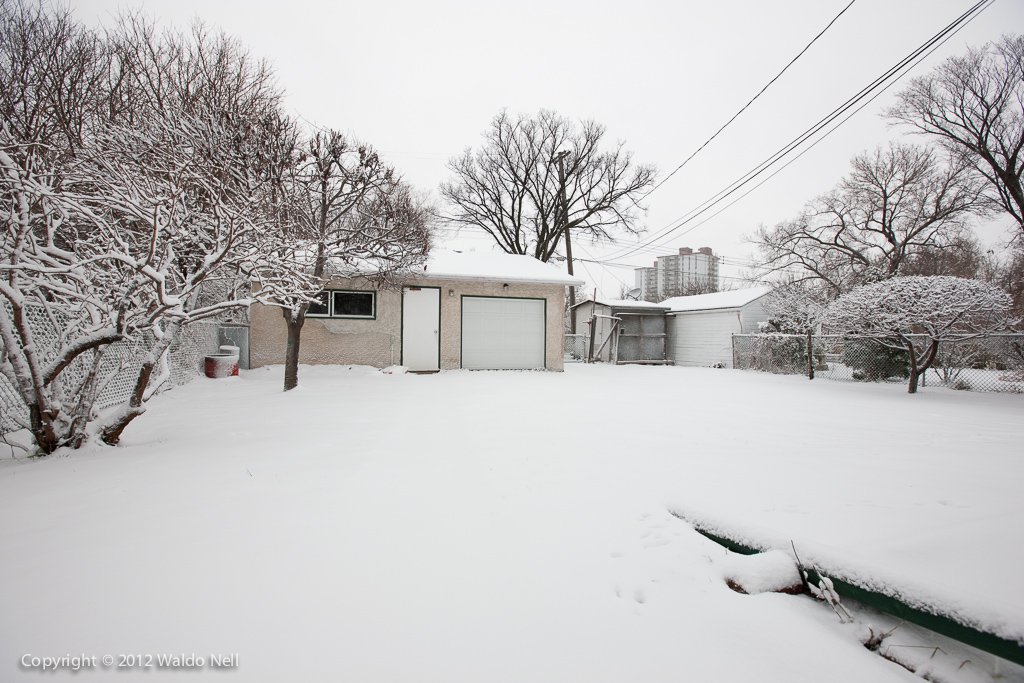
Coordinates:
563 215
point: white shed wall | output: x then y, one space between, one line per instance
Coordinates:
582 314
752 314
602 329
703 338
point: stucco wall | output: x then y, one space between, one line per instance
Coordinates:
379 342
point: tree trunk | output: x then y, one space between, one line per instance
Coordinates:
41 425
810 355
136 406
914 374
919 366
86 400
291 361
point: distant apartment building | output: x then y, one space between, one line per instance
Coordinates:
687 272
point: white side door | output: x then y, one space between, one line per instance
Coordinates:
421 328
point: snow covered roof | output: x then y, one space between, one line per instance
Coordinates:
470 265
501 267
707 302
626 303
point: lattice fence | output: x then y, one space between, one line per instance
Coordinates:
990 363
120 362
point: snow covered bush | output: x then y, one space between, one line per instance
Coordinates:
874 361
782 354
917 313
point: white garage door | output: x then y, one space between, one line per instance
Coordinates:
502 334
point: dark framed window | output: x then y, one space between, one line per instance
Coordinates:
344 303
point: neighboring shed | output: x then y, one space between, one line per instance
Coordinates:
461 310
700 327
624 331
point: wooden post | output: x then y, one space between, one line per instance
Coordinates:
563 215
593 333
615 344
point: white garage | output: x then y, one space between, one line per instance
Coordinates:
700 327
503 333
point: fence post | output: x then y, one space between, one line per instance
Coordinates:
810 355
735 356
590 346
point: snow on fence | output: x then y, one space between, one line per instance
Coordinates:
576 348
990 363
121 361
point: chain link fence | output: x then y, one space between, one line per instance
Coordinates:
576 348
120 364
990 363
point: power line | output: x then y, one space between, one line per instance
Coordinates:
591 260
816 142
752 99
733 264
822 123
892 74
622 265
757 170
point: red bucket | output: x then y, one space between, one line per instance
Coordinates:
218 365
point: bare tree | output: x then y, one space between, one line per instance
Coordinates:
962 257
54 282
179 186
53 287
52 76
346 211
974 107
917 313
894 204
697 285
174 204
127 196
1006 270
510 187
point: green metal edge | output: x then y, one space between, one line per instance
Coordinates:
1010 650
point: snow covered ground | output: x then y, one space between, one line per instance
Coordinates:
511 526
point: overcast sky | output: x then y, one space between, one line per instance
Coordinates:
422 80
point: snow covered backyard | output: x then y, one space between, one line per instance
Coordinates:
512 526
